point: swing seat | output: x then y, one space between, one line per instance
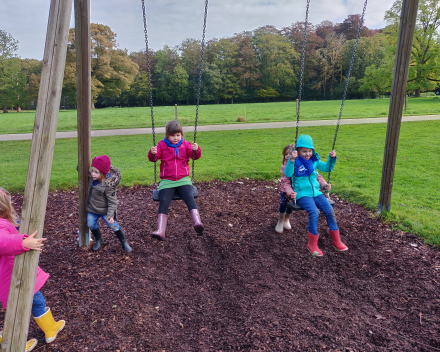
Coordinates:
295 206
176 195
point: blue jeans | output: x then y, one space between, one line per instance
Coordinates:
312 205
92 221
38 305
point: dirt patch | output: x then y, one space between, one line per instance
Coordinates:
241 286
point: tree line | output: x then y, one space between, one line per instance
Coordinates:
252 66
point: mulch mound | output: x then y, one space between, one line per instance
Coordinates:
240 286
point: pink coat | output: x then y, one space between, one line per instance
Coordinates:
172 167
11 244
286 182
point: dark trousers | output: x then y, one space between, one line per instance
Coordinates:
166 196
283 204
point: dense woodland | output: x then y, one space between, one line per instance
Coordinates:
254 66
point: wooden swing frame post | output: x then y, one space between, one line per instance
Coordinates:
398 92
21 291
84 107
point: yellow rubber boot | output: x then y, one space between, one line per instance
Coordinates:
50 327
30 345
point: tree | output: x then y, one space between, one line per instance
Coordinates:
8 45
424 67
112 70
8 69
223 54
330 59
167 60
370 52
350 27
278 60
247 68
211 83
190 50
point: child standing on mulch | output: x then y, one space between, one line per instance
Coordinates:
309 197
174 154
11 244
102 201
287 193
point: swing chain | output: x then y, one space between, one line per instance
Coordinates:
199 82
301 75
147 51
361 23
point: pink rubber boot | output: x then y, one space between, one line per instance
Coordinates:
161 227
198 226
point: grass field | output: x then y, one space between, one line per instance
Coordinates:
112 118
231 155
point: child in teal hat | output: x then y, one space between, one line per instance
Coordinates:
305 162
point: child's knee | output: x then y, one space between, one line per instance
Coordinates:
314 214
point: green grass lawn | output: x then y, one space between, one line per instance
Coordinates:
230 155
112 118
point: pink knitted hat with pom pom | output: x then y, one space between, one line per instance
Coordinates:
102 163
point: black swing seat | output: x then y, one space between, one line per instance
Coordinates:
295 206
176 195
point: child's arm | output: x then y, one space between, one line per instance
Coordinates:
154 153
112 201
287 186
15 244
30 242
290 166
194 148
323 186
330 164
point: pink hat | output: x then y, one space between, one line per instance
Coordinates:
102 163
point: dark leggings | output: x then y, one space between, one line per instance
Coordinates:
166 196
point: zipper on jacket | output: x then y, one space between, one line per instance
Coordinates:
313 190
175 164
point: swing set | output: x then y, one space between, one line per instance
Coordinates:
150 88
17 315
293 205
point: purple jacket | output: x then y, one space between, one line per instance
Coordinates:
11 244
172 167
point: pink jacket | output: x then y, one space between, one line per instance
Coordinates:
172 167
11 244
286 182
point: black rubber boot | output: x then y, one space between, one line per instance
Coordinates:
98 238
120 235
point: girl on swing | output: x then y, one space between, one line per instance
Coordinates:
308 196
287 193
11 244
174 154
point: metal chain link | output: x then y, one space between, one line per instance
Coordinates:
200 82
347 82
301 75
147 51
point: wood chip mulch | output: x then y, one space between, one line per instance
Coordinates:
240 286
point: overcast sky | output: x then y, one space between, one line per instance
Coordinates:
172 21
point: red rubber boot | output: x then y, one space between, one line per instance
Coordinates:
336 240
313 245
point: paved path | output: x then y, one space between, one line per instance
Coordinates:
242 126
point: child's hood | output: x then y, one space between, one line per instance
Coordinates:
305 141
115 177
